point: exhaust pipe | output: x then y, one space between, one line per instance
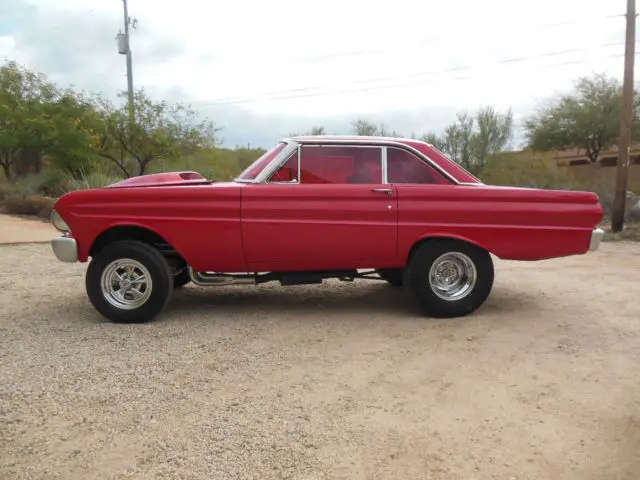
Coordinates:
206 279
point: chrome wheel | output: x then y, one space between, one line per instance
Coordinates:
126 283
452 276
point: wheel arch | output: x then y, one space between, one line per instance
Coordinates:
434 237
140 233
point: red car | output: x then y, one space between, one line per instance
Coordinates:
312 208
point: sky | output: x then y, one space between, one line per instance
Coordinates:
410 64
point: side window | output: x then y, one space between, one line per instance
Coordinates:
404 167
340 165
287 172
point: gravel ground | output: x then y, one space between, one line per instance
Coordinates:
23 229
331 381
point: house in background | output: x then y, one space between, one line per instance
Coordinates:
606 158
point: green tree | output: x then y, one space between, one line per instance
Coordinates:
365 128
471 140
318 130
38 120
433 139
160 131
25 124
587 118
492 135
71 150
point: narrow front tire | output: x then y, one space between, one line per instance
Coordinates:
129 282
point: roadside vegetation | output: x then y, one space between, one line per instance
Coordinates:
55 140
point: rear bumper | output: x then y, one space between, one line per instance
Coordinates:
65 249
596 238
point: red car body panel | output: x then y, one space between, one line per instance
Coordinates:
244 227
318 227
201 222
511 223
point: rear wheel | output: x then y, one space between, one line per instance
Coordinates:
129 282
449 278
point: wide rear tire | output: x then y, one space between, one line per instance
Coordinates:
129 282
449 278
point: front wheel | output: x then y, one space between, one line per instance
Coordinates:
449 278
129 282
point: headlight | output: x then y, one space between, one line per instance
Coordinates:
59 223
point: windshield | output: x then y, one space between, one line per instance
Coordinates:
253 170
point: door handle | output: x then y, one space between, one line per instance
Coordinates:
388 191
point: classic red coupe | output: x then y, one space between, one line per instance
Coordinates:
313 208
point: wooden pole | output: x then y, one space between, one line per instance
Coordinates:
622 177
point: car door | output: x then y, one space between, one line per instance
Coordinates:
326 208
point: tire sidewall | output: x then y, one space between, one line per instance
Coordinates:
158 268
417 278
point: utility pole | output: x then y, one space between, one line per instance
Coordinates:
624 144
124 48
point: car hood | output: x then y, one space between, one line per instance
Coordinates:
163 179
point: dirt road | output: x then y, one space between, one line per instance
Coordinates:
16 229
331 381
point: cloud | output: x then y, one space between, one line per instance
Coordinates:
412 65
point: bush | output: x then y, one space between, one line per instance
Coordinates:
28 205
95 179
521 170
631 231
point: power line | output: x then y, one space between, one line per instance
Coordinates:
377 87
239 99
50 26
430 40
27 16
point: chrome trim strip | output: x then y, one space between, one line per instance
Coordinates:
383 141
596 238
281 164
299 172
271 168
65 249
385 181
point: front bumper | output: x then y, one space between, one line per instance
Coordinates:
65 249
596 238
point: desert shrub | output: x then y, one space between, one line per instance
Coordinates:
5 189
631 232
93 179
215 164
28 205
515 170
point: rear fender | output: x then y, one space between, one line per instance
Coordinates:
443 236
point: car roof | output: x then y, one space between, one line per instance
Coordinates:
355 139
